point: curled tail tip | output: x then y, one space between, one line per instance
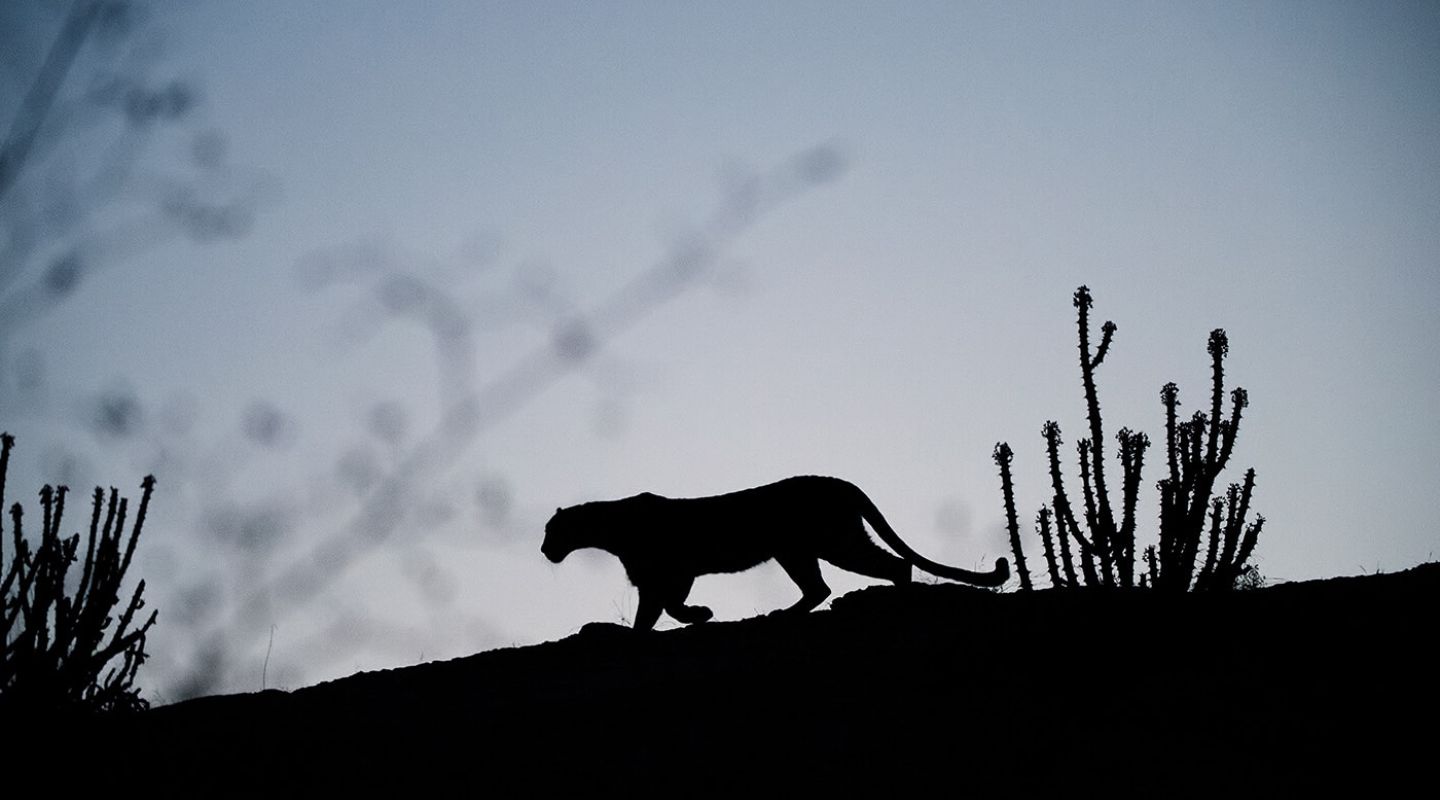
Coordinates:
1002 570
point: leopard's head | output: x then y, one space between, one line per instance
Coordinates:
562 535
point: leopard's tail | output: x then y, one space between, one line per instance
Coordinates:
887 534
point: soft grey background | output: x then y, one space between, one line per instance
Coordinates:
855 230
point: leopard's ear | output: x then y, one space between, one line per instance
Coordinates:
558 509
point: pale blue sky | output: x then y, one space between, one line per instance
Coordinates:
1273 169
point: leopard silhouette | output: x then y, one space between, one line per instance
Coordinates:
665 543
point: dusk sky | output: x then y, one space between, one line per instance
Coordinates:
395 280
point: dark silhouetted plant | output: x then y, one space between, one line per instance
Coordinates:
1003 456
1197 450
58 639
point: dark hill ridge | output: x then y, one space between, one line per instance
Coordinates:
927 685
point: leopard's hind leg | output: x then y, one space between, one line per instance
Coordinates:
856 553
804 569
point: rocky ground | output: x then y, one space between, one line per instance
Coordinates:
928 687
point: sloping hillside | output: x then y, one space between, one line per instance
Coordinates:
925 686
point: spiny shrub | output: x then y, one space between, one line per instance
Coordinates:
1192 512
61 645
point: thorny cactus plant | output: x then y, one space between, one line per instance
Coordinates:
1003 456
1197 451
58 639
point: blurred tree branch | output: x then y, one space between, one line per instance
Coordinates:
70 201
469 410
38 100
74 145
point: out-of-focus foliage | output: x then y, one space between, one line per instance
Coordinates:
80 188
121 147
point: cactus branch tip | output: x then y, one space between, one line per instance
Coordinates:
1219 345
1003 452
